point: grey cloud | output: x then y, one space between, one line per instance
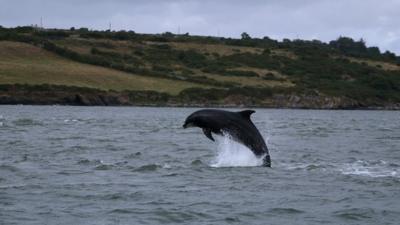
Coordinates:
373 20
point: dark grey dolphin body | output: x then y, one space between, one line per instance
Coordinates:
237 124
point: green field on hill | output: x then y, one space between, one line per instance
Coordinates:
169 63
26 64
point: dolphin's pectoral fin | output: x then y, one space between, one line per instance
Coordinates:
207 132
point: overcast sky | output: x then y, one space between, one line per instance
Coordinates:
376 21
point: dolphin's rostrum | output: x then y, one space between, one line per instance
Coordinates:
237 124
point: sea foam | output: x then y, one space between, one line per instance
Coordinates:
364 168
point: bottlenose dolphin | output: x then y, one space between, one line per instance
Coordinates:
237 124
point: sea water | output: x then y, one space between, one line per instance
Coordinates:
137 165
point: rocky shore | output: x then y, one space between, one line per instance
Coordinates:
62 95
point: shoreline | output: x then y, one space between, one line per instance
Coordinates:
80 96
221 106
215 106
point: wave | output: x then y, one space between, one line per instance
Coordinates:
372 169
285 211
9 168
104 167
378 168
147 168
26 122
307 166
70 120
355 213
233 154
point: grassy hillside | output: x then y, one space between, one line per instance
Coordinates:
172 60
203 68
26 64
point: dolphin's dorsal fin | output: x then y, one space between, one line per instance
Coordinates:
246 113
207 132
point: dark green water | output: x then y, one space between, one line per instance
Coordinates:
128 165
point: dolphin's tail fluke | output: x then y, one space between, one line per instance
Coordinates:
267 161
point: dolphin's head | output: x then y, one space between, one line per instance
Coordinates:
194 120
191 121
204 119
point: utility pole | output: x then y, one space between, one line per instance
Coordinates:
179 30
41 22
109 26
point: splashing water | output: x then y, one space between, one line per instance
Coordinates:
372 169
233 154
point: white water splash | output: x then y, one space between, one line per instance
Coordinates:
363 168
232 154
378 168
